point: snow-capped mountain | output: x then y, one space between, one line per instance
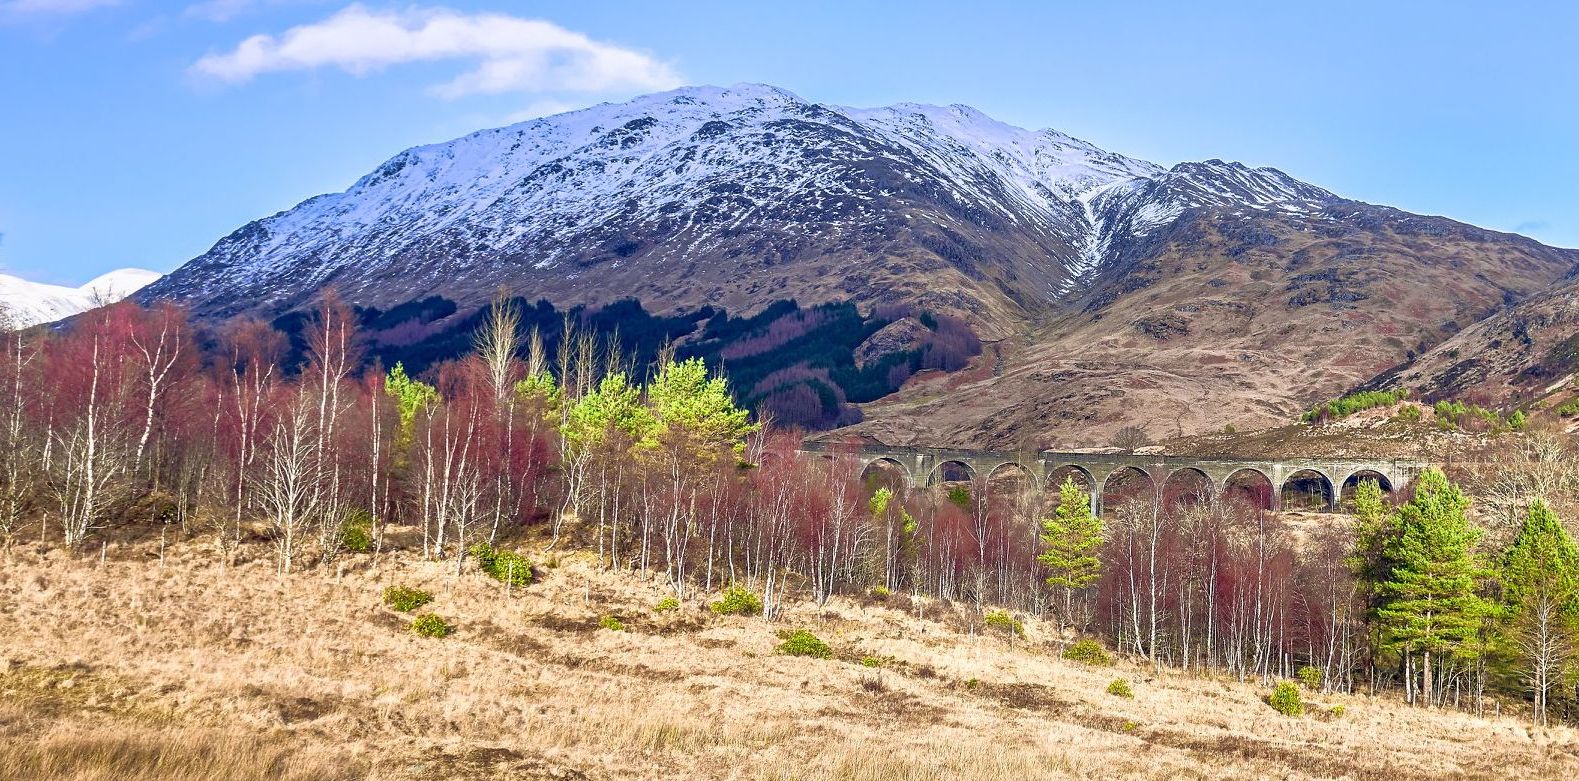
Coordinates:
24 303
1112 291
692 196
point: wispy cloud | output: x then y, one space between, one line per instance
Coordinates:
511 54
217 10
541 108
51 7
1532 226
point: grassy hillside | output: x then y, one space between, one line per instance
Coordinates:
137 668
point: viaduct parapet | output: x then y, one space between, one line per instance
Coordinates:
928 466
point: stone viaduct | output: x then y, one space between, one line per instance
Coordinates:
1323 480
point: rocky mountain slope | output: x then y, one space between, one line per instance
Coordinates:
1230 319
1525 352
1110 290
24 303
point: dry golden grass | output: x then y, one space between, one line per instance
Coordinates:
136 671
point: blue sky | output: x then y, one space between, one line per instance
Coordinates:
136 133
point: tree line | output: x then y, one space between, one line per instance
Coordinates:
134 417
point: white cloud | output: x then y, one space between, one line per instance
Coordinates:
512 54
55 7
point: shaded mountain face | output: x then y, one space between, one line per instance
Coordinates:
1109 290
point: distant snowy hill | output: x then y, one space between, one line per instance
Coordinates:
24 303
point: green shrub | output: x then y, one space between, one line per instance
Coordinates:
871 661
667 605
882 591
1568 408
1409 414
737 600
430 625
971 683
1120 688
1335 711
803 643
1310 677
356 534
960 496
1345 406
1090 652
1000 619
1517 421
1285 699
611 623
503 565
406 599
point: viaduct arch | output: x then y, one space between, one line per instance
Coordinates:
923 467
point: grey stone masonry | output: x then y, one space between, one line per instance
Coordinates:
923 467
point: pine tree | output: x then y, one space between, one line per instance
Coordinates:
1374 528
1428 603
696 410
1541 597
1070 540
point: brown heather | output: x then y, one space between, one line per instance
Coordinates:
131 670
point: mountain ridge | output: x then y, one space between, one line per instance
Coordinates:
415 203
1111 290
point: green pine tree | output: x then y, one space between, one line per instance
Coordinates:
1070 540
1540 589
1428 602
410 398
695 411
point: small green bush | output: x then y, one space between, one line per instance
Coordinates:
667 605
1285 699
406 599
1568 408
1000 619
960 496
1310 677
1090 652
1120 688
803 643
971 683
882 591
611 623
737 600
871 661
503 565
1355 402
430 625
1335 711
356 534
1409 414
